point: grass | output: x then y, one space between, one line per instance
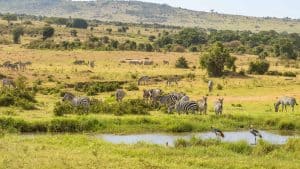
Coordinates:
79 151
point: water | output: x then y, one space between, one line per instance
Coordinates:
162 139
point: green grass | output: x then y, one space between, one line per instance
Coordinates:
78 151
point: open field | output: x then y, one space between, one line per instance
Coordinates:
248 100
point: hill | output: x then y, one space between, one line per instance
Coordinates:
137 12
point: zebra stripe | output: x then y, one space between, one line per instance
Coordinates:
203 105
77 101
186 106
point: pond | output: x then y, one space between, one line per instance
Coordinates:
162 139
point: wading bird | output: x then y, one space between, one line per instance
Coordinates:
218 132
255 132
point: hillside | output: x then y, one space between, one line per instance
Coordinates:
137 12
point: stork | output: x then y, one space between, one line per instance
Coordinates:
255 133
218 132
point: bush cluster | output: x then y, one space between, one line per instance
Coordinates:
259 67
93 88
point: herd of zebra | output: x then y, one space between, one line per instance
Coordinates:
15 66
179 102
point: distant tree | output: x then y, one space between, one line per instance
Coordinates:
47 32
114 44
284 47
104 39
73 33
215 60
9 17
182 63
141 47
123 29
78 23
17 33
109 30
191 36
260 67
148 47
151 38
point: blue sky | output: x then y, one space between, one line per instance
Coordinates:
276 8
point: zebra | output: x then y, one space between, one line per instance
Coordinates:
135 62
210 85
203 105
285 101
219 106
186 107
170 100
77 101
155 95
120 94
21 65
8 82
171 80
143 80
146 94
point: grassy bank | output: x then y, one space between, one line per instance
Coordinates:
77 151
156 122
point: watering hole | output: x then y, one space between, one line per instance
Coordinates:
162 139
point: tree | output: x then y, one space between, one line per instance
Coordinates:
191 36
148 47
79 23
285 48
47 32
215 60
9 17
260 67
109 30
182 63
151 38
17 33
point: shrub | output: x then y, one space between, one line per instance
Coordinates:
289 74
182 127
284 125
178 48
132 87
241 147
62 108
78 23
94 88
17 33
47 32
259 67
219 87
181 63
181 143
263 148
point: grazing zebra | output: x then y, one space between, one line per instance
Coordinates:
135 62
8 82
170 100
120 94
210 85
77 101
155 95
165 62
143 80
203 105
171 80
185 99
255 133
219 106
218 132
285 101
186 107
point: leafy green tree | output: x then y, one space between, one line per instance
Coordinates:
9 17
109 30
151 38
260 67
191 36
47 32
182 63
17 33
148 47
215 60
284 47
79 23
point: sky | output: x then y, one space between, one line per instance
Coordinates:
261 8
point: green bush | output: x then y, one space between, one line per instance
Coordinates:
94 88
259 67
284 125
62 108
263 148
182 127
182 63
241 147
181 143
132 87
